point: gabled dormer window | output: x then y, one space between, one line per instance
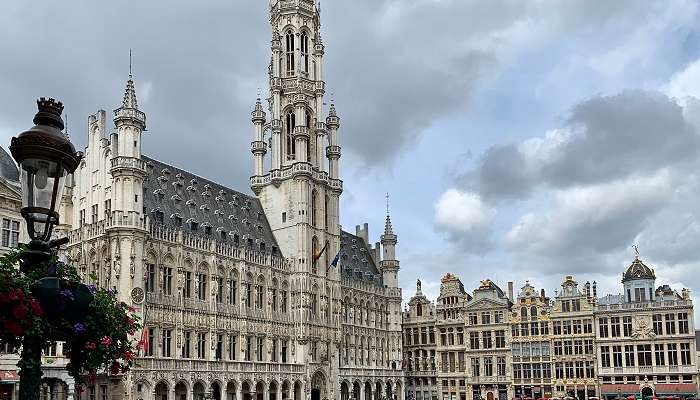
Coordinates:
207 230
236 239
177 220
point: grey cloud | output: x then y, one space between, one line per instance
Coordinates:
609 137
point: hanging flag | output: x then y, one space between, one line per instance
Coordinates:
320 253
334 263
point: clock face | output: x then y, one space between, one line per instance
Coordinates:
137 295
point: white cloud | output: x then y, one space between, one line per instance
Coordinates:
461 212
599 218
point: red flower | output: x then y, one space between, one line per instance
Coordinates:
128 355
36 308
90 346
132 309
115 368
13 327
106 340
129 321
19 311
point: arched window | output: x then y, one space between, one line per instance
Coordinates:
533 313
314 207
290 52
305 51
314 301
233 287
291 145
523 314
419 309
314 253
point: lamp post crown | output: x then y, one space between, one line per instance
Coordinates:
49 113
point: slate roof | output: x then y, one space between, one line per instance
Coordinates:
8 168
356 259
218 211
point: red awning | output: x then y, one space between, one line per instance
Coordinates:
9 376
676 388
609 388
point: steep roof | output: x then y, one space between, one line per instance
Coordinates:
174 192
356 259
8 168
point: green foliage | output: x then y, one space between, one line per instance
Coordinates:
97 341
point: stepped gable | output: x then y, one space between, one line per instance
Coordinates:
173 195
356 259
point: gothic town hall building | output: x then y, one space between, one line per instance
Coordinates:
243 297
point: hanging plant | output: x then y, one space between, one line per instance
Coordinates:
50 301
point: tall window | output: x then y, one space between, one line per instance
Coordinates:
232 347
291 145
150 278
314 252
290 52
283 300
260 349
683 323
187 288
186 345
232 289
202 286
259 295
314 207
305 51
202 345
326 212
167 338
151 338
644 355
670 324
10 233
167 280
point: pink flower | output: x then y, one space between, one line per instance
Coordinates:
90 346
106 341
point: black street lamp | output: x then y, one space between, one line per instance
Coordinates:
45 157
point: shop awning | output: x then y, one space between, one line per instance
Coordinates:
611 388
676 388
9 376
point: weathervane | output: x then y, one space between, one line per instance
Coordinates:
636 250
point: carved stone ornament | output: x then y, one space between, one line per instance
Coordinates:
137 295
642 328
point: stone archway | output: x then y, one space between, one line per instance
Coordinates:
285 390
181 391
245 391
231 389
197 391
272 391
389 391
647 392
215 388
378 391
344 391
356 390
368 390
260 390
161 391
297 390
53 389
318 386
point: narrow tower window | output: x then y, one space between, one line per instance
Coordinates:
314 207
325 212
290 52
291 146
305 51
310 142
314 253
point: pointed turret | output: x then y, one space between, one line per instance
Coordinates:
258 147
390 265
129 112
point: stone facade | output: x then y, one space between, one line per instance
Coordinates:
574 346
243 297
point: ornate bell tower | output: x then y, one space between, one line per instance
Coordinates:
299 185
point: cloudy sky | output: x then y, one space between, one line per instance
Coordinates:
519 140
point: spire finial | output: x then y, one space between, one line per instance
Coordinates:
387 204
129 62
636 251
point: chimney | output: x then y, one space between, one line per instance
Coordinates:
595 291
542 294
510 291
363 232
588 290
